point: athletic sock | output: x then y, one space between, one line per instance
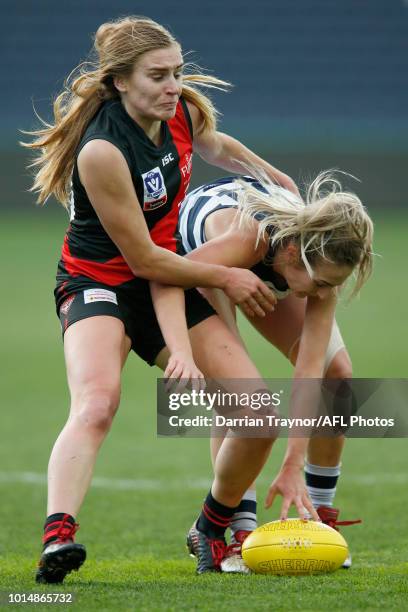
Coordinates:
214 518
321 483
57 525
244 517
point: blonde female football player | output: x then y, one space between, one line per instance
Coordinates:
120 148
305 251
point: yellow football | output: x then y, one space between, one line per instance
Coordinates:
294 547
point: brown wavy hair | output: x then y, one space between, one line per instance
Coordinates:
118 45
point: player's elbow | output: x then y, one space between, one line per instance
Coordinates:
144 264
210 148
144 270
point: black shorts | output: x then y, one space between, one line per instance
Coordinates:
135 308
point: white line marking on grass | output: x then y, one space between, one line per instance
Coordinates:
152 484
121 484
380 479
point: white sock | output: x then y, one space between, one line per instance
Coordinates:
321 483
244 518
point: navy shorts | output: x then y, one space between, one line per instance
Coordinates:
134 308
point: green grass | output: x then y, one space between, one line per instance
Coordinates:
135 538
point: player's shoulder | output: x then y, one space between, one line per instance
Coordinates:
99 150
102 142
102 159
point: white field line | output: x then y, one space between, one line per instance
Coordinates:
147 484
122 484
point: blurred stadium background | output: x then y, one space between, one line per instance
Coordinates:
317 84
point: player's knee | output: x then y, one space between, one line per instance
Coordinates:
340 366
98 407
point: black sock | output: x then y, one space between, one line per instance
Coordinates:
214 518
52 523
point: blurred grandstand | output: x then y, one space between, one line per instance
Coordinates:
318 83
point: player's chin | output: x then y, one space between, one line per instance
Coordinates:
167 112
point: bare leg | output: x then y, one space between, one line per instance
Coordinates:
283 329
95 351
219 354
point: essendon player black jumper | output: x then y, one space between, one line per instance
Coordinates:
93 277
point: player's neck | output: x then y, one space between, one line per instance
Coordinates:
151 127
152 130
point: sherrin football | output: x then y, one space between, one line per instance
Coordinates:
294 547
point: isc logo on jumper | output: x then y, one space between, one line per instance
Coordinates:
155 194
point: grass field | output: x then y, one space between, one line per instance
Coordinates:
147 491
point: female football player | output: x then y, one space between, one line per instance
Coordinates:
120 150
305 252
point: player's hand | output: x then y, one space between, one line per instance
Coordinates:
244 288
181 371
291 485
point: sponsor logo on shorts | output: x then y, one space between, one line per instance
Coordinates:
67 305
99 295
155 193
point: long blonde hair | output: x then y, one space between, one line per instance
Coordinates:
330 224
118 46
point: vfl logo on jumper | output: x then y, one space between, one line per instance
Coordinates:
155 194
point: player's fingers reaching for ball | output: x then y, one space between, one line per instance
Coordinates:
286 503
271 496
300 507
310 508
290 484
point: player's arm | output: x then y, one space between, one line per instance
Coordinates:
234 248
106 177
221 150
237 248
305 397
317 327
169 306
169 301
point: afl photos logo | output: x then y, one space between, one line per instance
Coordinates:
155 194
